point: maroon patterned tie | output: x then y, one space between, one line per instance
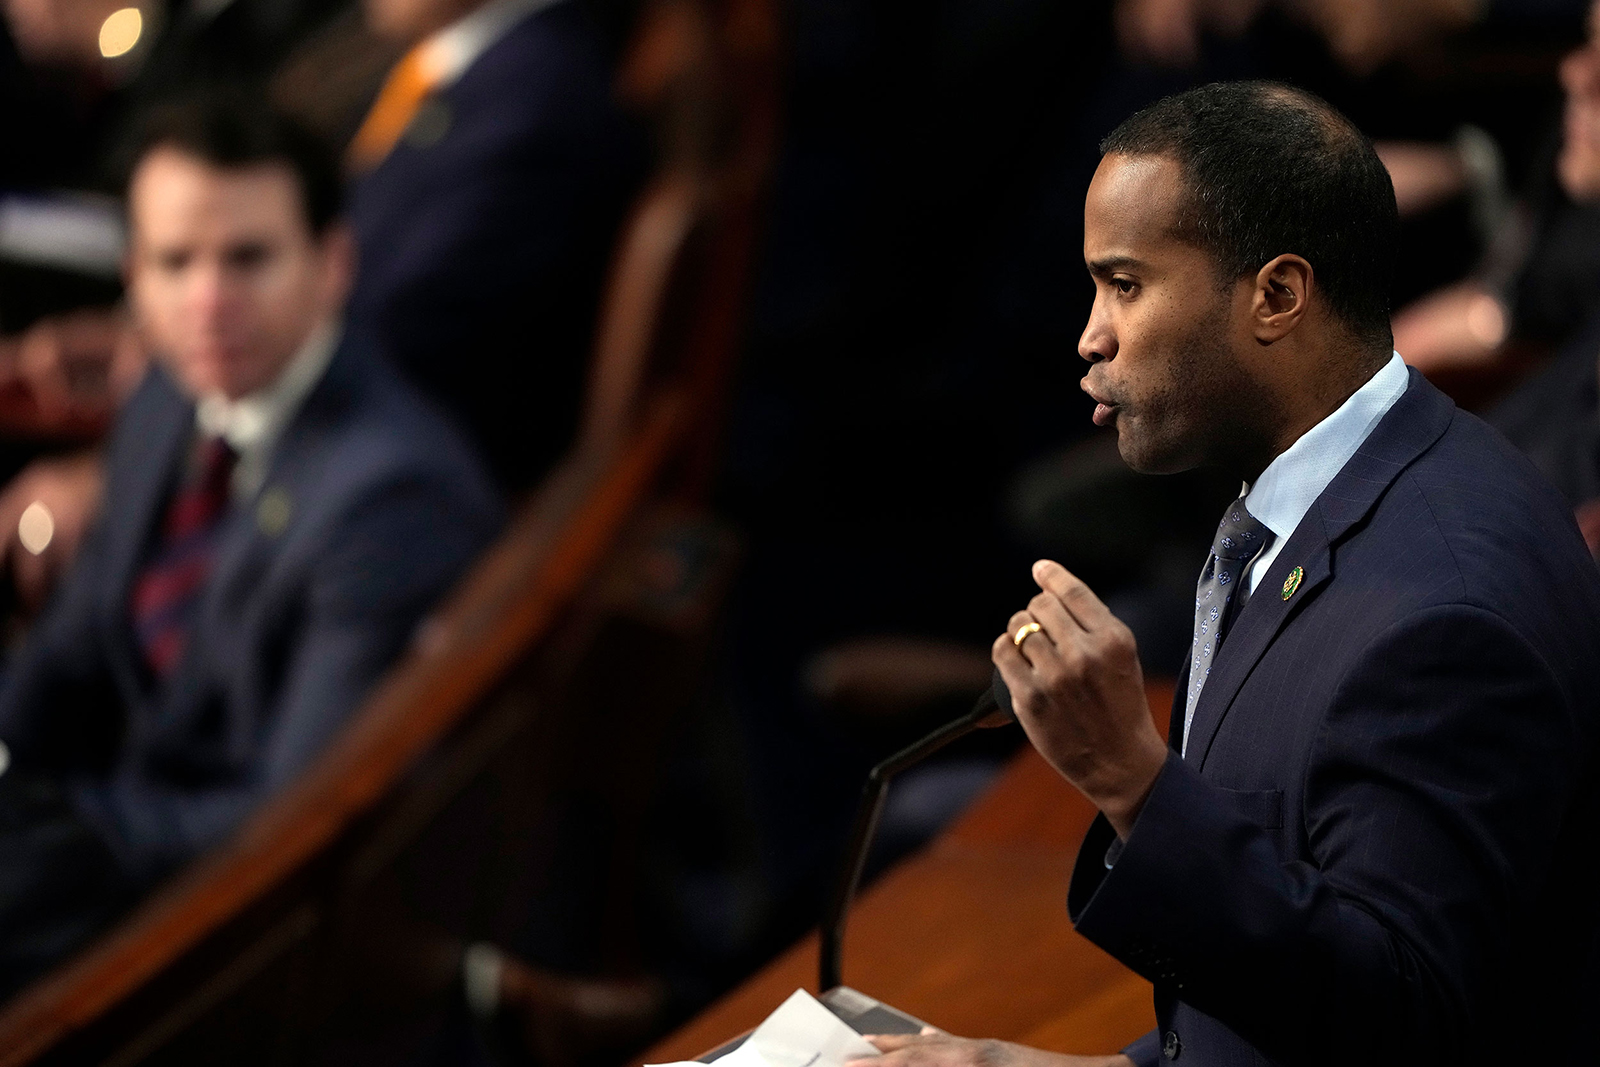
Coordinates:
168 588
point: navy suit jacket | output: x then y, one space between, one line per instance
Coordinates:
1380 847
485 233
305 607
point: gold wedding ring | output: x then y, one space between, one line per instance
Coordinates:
1022 634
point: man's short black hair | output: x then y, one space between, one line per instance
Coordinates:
1272 170
229 130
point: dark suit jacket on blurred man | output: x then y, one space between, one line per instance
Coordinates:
366 511
484 231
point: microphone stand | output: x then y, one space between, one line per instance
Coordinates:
992 709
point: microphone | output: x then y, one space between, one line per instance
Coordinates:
1001 696
993 708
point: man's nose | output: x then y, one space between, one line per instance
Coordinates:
1098 341
210 295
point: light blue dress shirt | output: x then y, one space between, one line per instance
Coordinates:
1283 494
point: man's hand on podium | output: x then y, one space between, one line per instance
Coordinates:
933 1048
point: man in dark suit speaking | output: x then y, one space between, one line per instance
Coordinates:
1372 838
280 510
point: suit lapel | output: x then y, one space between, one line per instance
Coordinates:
255 530
138 486
259 522
1263 616
1415 422
262 520
1179 706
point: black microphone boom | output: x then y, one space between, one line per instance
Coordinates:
992 709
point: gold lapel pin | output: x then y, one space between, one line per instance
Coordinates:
274 511
1291 583
428 127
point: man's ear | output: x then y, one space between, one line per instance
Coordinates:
338 247
131 274
1282 294
129 266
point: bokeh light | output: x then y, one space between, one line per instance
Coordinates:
120 32
37 527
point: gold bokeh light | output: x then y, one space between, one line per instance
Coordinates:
120 32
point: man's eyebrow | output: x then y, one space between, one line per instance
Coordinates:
1101 268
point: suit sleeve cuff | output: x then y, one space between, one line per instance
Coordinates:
1112 906
1103 851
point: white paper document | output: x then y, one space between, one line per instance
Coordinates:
801 1033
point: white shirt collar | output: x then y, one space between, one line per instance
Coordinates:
252 424
1291 483
449 52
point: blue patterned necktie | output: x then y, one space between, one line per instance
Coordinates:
1220 595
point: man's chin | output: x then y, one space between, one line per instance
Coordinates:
1147 457
208 379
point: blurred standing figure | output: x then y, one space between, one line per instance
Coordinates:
1539 281
500 167
1578 164
1555 415
280 510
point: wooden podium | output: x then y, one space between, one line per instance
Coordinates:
971 934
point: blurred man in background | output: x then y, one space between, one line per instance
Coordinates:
74 76
279 512
1555 415
496 167
1538 281
489 177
